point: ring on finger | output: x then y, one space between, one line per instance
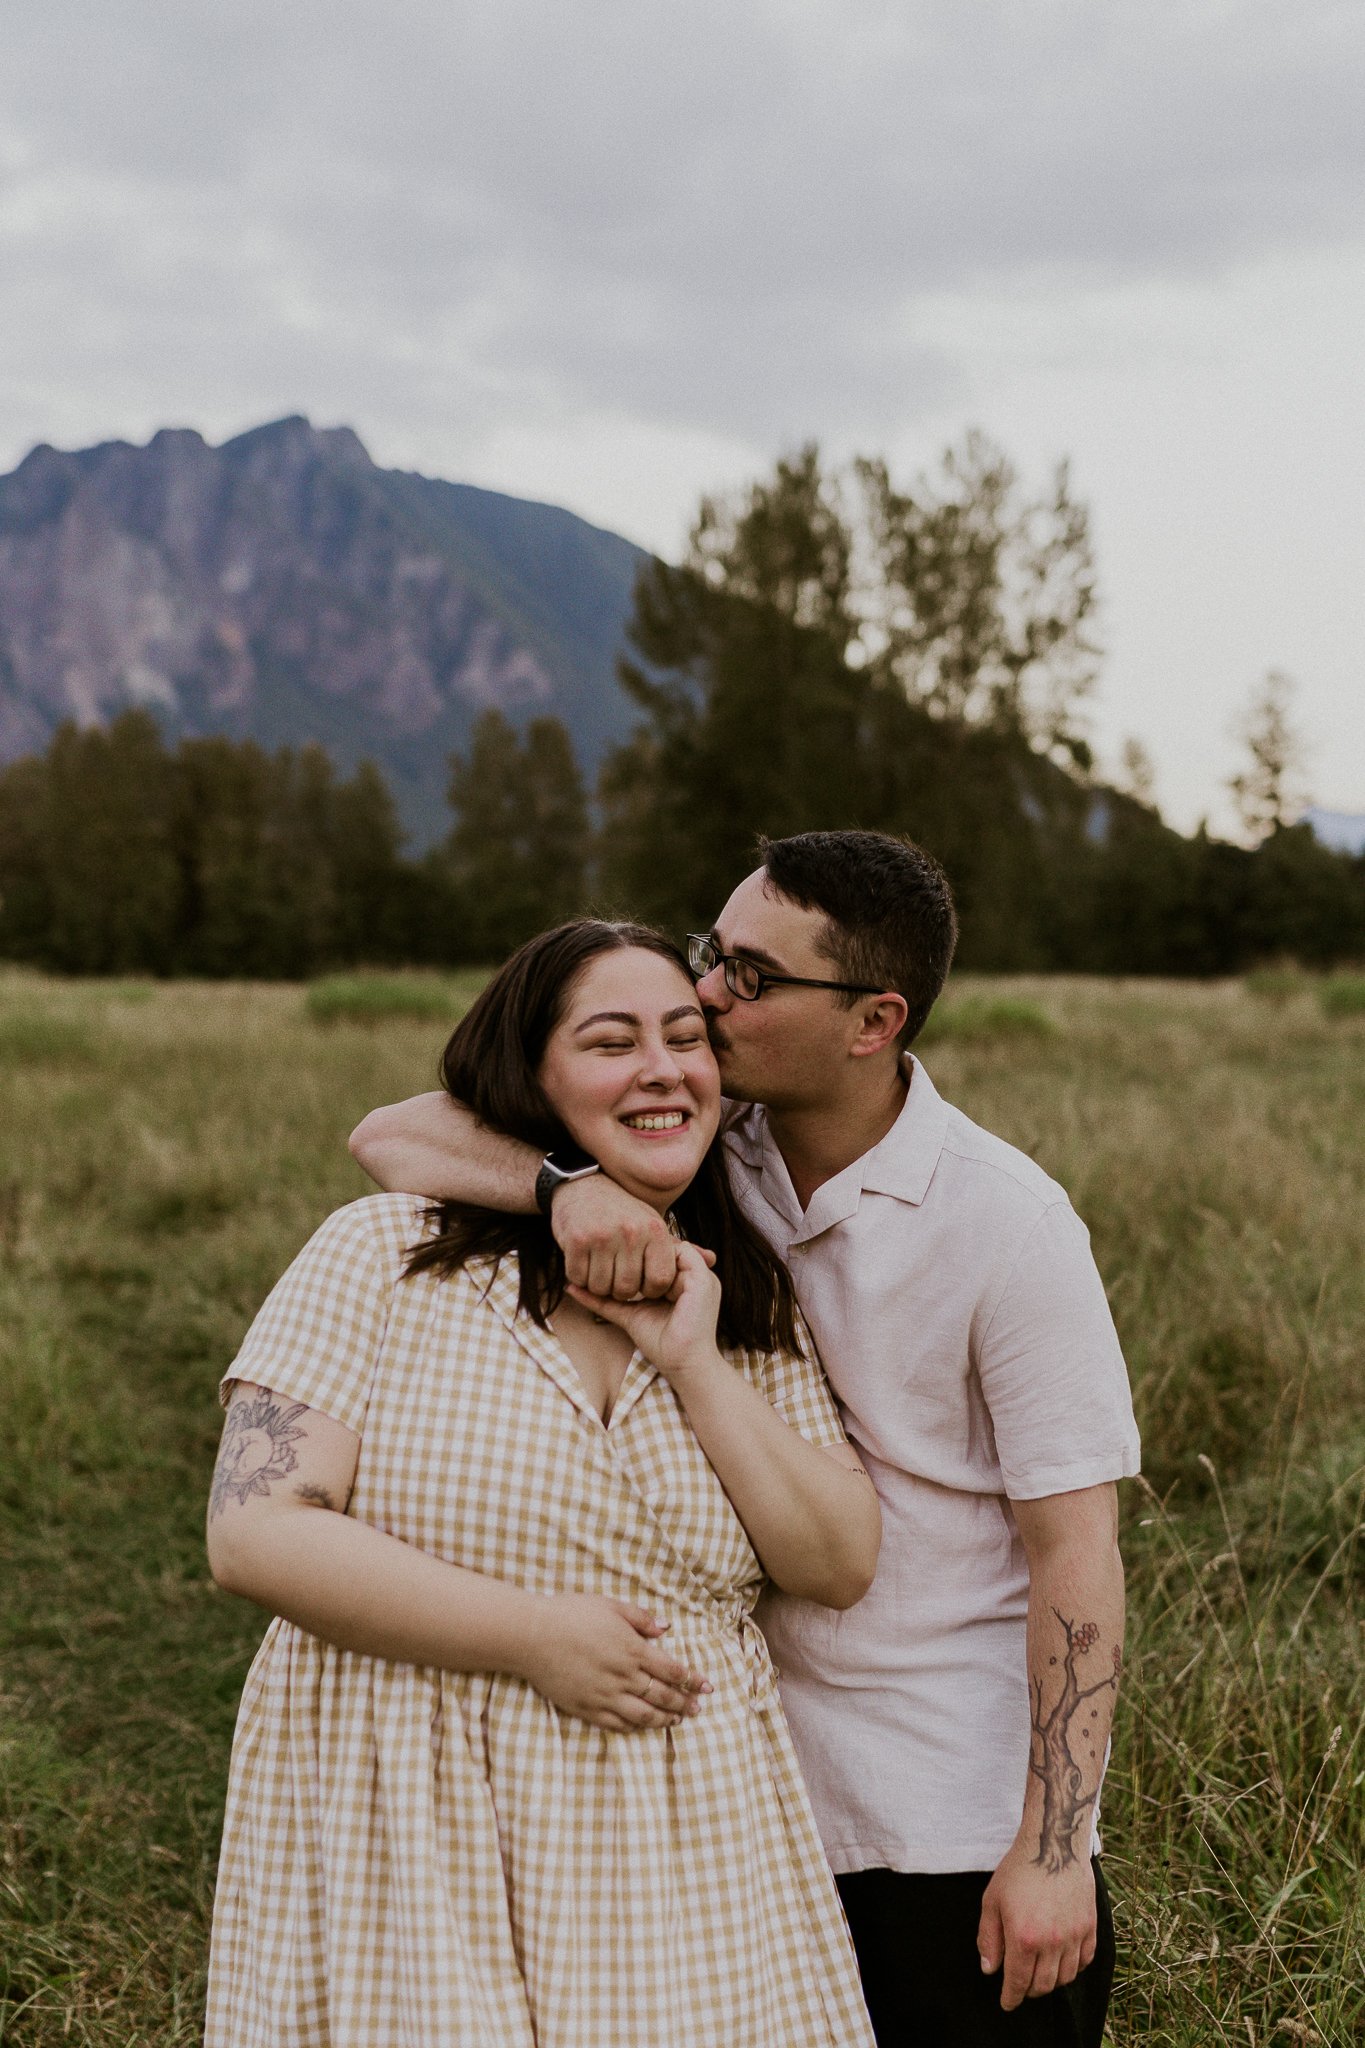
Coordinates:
645 1688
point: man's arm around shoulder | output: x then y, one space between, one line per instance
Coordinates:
613 1244
432 1145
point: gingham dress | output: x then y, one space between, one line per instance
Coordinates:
416 1858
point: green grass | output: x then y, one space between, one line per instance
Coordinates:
1343 995
159 1174
1277 984
380 998
982 1019
28 1038
1340 995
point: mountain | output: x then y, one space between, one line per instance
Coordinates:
283 587
1342 831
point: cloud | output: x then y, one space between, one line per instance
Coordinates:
722 218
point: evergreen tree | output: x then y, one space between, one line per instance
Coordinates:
303 925
25 892
112 880
228 858
756 719
365 842
1267 791
517 854
557 832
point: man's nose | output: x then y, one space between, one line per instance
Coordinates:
712 993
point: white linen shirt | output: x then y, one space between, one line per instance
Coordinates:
963 1325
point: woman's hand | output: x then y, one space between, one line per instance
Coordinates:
677 1334
601 1660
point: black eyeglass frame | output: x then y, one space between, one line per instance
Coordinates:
699 945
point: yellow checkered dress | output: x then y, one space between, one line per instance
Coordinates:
415 1858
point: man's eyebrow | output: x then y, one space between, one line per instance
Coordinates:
742 952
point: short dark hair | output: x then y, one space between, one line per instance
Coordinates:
888 907
491 1065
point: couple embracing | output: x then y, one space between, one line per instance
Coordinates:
540 1470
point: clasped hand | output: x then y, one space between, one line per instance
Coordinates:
614 1245
677 1333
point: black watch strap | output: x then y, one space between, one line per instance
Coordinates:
557 1168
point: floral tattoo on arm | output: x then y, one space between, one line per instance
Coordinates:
257 1448
1066 1803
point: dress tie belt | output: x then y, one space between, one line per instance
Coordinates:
742 1632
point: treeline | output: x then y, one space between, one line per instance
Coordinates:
122 854
832 651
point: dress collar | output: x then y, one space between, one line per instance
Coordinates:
500 1289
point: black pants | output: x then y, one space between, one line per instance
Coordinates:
916 1941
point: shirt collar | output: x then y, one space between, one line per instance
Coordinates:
901 1164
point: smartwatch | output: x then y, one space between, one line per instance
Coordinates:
565 1163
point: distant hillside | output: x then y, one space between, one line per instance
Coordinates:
1343 831
282 587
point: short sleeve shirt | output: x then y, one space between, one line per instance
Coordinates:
952 1293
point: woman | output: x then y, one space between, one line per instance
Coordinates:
511 1769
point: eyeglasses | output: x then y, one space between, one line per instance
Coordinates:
745 980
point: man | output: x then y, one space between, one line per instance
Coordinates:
954 1725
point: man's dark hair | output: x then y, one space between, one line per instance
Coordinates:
491 1063
888 907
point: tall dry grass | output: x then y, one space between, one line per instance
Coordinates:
166 1150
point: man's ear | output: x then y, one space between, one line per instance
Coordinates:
881 1024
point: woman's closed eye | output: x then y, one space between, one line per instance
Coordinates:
686 1042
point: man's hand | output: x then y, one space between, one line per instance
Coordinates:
677 1334
614 1245
1040 1926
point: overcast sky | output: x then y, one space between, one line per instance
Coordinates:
616 254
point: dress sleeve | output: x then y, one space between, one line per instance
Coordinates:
319 1334
794 1382
1052 1371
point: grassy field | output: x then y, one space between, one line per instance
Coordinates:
167 1149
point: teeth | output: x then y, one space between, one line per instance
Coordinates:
666 1120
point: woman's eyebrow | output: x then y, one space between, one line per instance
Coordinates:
629 1017
608 1017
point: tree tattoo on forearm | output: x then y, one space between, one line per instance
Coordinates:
1066 1803
257 1449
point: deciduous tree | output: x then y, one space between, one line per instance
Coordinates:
980 600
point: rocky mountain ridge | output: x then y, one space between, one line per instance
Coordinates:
283 587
